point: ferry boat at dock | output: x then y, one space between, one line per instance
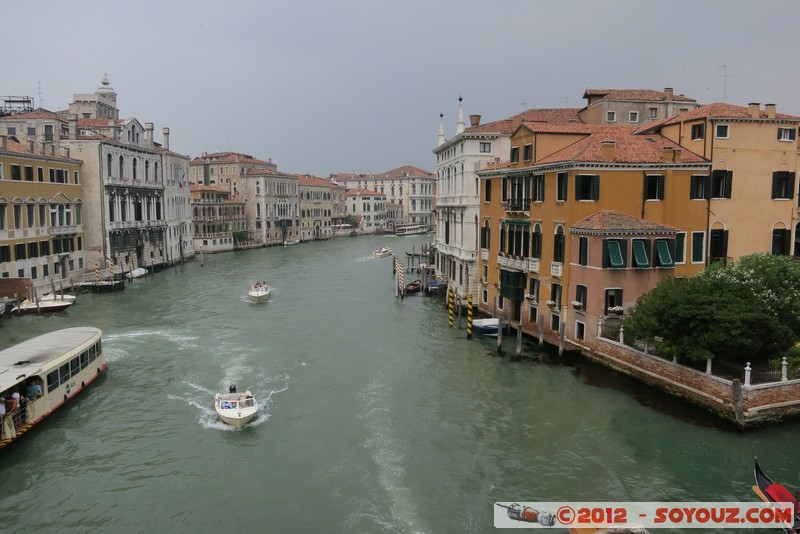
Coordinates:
47 371
411 229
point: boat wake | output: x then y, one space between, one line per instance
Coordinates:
389 454
178 337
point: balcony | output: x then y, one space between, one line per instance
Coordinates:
517 205
555 268
485 254
64 229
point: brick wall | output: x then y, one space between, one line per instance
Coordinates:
14 286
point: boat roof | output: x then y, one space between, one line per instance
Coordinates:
31 357
234 396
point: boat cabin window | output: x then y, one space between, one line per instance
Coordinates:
228 405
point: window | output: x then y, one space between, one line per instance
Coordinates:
663 256
583 251
721 184
555 295
533 286
698 131
558 245
31 210
723 131
786 134
561 193
641 253
654 187
633 116
487 192
611 116
538 188
16 172
17 216
514 154
580 330
613 299
28 173
536 242
485 235
698 246
527 153
782 184
615 251
40 174
581 294
485 148
652 113
700 187
587 187
11 130
718 245
780 242
680 248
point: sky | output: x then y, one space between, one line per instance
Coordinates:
336 86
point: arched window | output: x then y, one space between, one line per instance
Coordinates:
109 164
146 170
134 168
121 167
558 245
536 242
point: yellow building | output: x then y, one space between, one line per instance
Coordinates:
41 200
562 174
750 196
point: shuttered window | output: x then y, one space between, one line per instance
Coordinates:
616 258
663 253
640 254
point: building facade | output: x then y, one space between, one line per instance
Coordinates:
316 208
369 208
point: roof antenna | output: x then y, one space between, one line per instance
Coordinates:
725 83
523 104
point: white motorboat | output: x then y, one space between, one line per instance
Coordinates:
58 297
43 306
291 242
136 273
235 409
488 327
381 252
259 291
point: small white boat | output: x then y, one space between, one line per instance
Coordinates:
291 242
381 252
44 306
58 297
259 291
487 327
235 409
136 273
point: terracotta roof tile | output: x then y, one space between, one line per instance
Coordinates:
509 125
613 222
362 192
636 94
722 111
38 113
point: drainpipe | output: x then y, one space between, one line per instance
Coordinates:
708 200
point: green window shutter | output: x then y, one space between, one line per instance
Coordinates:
615 258
664 255
595 187
640 254
728 183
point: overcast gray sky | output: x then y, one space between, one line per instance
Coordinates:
323 86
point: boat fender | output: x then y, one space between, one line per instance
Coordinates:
66 397
83 384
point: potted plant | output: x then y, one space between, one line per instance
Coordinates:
616 310
551 303
578 305
530 296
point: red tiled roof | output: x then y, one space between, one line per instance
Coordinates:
313 181
723 111
636 94
614 222
229 157
362 192
98 123
628 148
38 113
400 172
509 125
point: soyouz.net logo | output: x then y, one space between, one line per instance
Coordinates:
729 515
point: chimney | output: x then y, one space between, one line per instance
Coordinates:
496 162
114 132
148 134
676 154
754 110
31 145
668 153
607 149
73 126
770 109
474 120
3 142
669 93
166 138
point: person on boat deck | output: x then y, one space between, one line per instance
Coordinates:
33 390
2 407
20 405
11 405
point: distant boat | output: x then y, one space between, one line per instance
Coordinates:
59 296
44 306
381 252
291 242
259 291
411 229
414 286
235 409
136 273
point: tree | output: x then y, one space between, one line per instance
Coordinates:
742 312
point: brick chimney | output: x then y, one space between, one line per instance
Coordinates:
148 134
677 154
669 153
474 120
770 110
31 145
669 93
166 138
753 108
607 149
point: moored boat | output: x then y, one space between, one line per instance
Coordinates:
259 291
41 306
487 327
136 273
412 229
291 242
769 491
414 286
235 409
381 252
48 370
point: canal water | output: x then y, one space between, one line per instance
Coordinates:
376 415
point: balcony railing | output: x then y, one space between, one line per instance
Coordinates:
64 229
518 205
555 268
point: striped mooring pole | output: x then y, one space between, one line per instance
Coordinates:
97 273
469 316
450 305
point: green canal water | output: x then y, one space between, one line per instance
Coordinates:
376 415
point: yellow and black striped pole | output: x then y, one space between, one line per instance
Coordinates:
469 316
111 268
97 273
450 304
